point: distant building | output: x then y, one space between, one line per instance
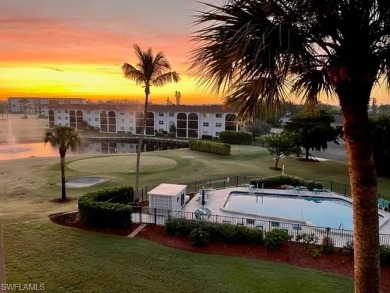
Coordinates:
37 105
187 121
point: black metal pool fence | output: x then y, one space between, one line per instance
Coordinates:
238 180
340 237
158 217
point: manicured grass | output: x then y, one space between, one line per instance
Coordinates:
69 260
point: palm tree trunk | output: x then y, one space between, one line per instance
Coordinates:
63 189
140 142
364 194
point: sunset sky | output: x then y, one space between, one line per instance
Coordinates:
75 48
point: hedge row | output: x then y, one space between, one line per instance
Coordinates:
234 137
226 233
108 208
278 181
210 147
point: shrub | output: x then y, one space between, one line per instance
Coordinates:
280 180
384 254
328 245
210 147
276 238
234 137
180 227
220 232
199 237
108 208
348 247
307 238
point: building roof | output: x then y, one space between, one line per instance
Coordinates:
167 189
139 107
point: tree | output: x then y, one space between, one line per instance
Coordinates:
63 137
258 127
252 50
380 127
313 132
151 70
281 145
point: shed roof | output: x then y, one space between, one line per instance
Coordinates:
167 189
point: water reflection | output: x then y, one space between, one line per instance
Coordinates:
26 150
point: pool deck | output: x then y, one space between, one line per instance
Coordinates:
216 200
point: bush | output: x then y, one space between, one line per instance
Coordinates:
384 254
180 227
226 233
348 247
108 208
210 147
328 245
234 137
276 238
199 237
277 181
307 238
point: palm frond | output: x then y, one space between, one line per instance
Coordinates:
165 78
132 73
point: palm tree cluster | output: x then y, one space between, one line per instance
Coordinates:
255 51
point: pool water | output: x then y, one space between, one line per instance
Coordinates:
317 211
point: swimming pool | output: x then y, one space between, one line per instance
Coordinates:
317 211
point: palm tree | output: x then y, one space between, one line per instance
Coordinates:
255 50
63 137
149 71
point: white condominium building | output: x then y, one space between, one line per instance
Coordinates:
183 121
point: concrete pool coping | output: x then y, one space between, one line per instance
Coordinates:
216 203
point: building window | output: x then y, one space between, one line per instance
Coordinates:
217 134
205 124
206 115
171 114
88 112
160 122
66 111
131 113
97 119
59 118
123 120
131 128
218 115
121 113
161 114
218 124
122 128
66 118
59 111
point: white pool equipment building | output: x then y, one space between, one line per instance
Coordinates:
167 197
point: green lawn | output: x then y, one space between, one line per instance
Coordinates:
70 260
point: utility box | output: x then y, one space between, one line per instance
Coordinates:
167 197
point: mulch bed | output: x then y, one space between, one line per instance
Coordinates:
292 253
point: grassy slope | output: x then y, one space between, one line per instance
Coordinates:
68 260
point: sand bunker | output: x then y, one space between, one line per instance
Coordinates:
83 182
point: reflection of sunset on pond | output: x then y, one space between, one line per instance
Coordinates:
26 150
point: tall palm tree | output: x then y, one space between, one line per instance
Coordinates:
255 50
151 70
63 137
